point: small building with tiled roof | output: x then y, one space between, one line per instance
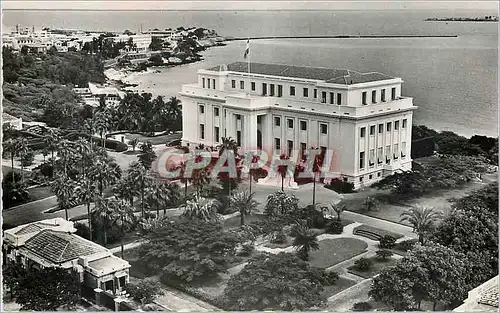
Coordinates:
358 119
53 243
483 298
16 122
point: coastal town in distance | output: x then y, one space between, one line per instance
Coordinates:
209 158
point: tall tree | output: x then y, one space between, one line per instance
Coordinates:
12 146
423 220
147 155
105 172
141 179
244 203
338 208
305 241
86 192
104 213
123 217
65 190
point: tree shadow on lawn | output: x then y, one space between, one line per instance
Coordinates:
334 251
377 266
235 221
340 285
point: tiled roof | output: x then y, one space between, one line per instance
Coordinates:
6 117
336 76
59 247
31 228
489 296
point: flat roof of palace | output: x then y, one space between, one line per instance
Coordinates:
329 75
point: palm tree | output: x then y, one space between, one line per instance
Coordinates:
317 164
106 172
23 149
200 178
244 203
338 208
104 214
125 189
51 140
422 219
200 208
102 124
64 189
305 241
124 215
133 142
139 177
66 154
84 149
282 170
12 146
228 144
370 204
161 194
86 192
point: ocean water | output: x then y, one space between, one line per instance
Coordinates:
454 81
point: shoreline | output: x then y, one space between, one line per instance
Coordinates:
338 37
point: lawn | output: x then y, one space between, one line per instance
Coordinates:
376 231
377 266
334 251
341 284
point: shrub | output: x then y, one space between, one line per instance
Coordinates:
384 254
363 264
334 227
407 244
27 158
361 306
46 169
340 186
82 230
387 242
145 291
279 237
247 249
324 277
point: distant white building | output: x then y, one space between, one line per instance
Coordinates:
93 93
361 117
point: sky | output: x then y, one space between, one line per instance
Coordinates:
249 5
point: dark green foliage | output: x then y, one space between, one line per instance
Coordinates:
27 158
156 44
361 307
473 225
279 237
142 113
408 244
156 60
247 249
280 204
47 289
13 192
384 254
82 230
334 227
431 273
186 251
147 155
145 291
275 282
314 216
387 242
363 264
422 131
340 186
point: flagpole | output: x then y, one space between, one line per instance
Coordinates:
248 56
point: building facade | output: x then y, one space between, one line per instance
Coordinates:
53 243
361 117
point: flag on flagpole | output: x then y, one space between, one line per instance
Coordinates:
247 49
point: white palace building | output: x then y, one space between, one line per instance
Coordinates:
361 117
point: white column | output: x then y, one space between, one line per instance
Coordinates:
250 123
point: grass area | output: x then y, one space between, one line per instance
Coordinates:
341 284
235 221
376 231
334 251
377 266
